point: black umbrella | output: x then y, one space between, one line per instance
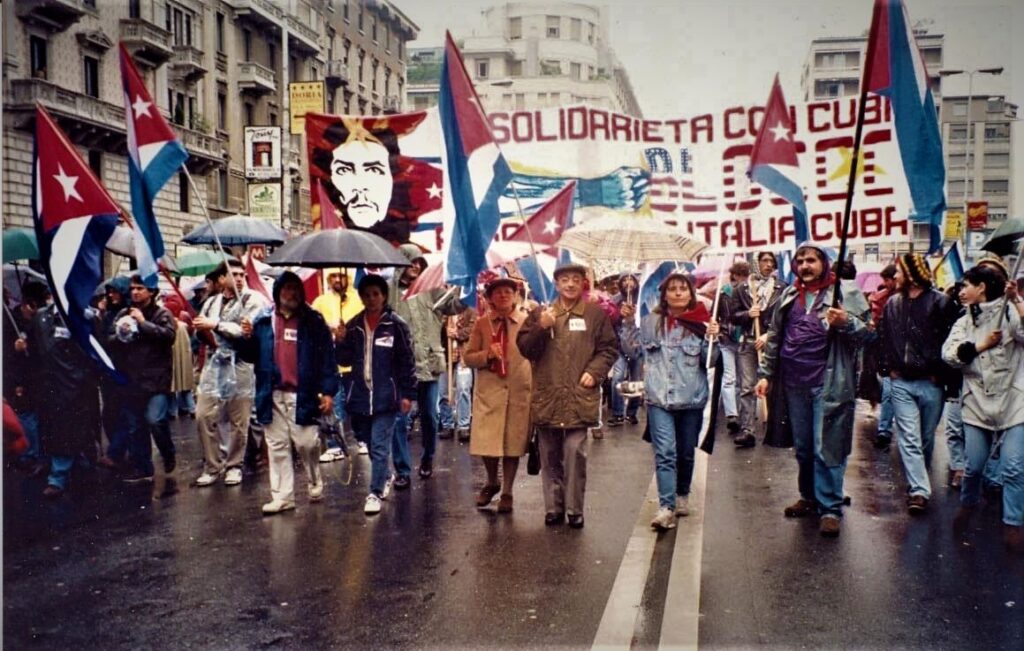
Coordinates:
337 247
1003 241
238 230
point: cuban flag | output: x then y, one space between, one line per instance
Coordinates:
650 283
545 227
154 155
773 161
74 216
894 68
950 269
477 174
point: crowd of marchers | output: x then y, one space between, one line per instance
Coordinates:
265 379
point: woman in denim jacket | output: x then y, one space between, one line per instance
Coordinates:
673 342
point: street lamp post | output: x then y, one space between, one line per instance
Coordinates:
968 154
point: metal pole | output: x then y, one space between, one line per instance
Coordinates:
968 158
206 213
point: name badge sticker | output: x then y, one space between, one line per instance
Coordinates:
577 324
385 342
291 334
60 332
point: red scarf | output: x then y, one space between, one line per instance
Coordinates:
695 319
815 286
499 335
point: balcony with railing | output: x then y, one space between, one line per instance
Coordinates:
206 152
260 12
188 63
392 104
88 121
302 36
148 43
255 78
337 73
51 15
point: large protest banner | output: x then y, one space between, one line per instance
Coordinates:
692 171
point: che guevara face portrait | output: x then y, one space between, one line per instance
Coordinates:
361 173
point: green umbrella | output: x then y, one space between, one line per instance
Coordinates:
1002 242
20 244
198 263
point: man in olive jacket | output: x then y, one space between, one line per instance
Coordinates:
572 346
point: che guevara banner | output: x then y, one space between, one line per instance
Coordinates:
384 173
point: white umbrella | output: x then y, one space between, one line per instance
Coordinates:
635 237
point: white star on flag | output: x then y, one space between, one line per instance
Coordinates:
434 191
779 132
67 183
141 108
551 226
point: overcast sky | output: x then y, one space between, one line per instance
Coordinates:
692 56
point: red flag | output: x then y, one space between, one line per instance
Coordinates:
546 226
328 216
254 280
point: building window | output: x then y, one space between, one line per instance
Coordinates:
92 76
520 101
222 111
37 56
959 133
999 132
576 29
959 109
273 119
362 64
482 68
554 24
220 33
932 56
373 29
550 68
134 9
96 163
995 105
995 186
246 45
515 69
555 98
344 10
387 81
575 70
515 28
183 192
359 19
250 112
956 188
957 160
222 189
193 114
271 56
997 160
178 27
179 109
373 78
386 37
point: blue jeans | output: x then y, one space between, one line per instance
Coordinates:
426 401
674 438
1011 455
885 413
917 408
729 381
339 412
379 430
30 424
60 471
622 371
955 433
183 402
817 481
147 417
463 399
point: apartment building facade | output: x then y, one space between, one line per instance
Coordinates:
213 69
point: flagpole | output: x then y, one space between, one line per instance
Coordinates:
714 309
512 183
10 315
1013 279
206 213
869 59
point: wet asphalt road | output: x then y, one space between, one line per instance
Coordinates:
174 567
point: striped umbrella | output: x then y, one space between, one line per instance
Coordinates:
635 237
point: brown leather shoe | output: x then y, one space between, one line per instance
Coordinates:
957 479
800 509
828 526
485 495
505 503
1013 539
917 504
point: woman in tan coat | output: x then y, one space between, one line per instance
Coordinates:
501 394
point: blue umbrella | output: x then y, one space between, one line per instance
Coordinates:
238 230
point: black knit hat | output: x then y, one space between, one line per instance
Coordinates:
916 269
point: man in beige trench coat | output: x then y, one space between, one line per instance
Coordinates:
572 346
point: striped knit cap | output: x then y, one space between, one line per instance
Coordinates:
916 269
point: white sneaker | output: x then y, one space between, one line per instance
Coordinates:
664 520
316 492
332 454
387 487
206 479
682 506
362 448
277 506
372 506
233 477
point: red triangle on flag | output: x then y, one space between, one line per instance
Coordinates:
67 187
328 215
150 125
473 126
545 227
775 143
